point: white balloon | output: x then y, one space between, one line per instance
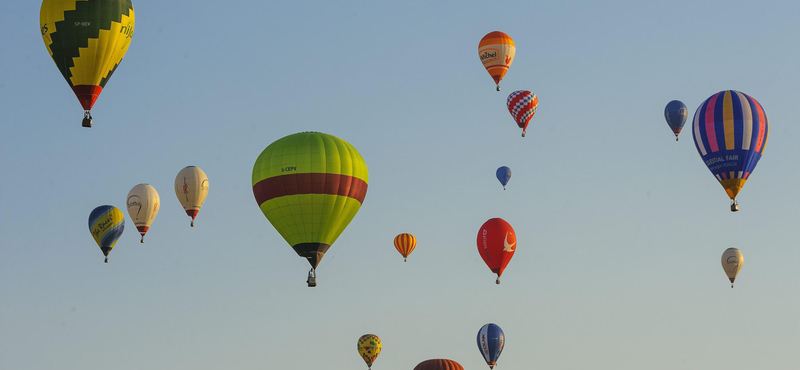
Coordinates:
191 187
143 203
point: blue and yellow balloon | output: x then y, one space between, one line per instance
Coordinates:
106 224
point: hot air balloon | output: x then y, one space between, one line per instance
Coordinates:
405 244
438 364
310 185
106 224
143 203
496 51
732 261
497 244
191 187
522 106
87 40
369 347
503 175
491 341
675 112
730 133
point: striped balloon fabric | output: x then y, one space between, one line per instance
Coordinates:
438 364
522 106
730 132
405 244
497 51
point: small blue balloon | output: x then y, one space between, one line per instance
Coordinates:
675 113
503 175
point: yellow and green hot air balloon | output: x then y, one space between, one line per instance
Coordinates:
87 40
369 347
310 185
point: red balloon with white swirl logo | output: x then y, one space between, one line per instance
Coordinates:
497 243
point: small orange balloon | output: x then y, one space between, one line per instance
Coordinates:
405 244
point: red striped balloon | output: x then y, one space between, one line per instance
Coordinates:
438 364
405 244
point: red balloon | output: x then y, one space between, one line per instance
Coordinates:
497 244
438 364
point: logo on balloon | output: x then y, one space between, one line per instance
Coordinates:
489 54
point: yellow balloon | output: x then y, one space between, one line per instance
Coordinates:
369 347
87 40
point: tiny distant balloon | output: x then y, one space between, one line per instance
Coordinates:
438 364
503 175
496 245
730 133
405 244
522 106
732 260
106 224
496 51
675 113
191 188
143 203
369 347
491 341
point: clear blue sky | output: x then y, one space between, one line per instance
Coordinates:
620 229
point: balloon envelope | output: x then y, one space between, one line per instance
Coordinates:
87 40
106 224
369 347
497 244
491 341
503 175
438 364
496 51
732 261
309 186
143 203
730 133
191 188
675 113
522 106
405 244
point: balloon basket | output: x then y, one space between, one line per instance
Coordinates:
87 119
312 279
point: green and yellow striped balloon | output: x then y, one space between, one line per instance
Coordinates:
309 186
87 40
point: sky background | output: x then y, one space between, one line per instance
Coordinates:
620 228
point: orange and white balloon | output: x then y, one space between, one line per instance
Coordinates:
496 51
143 203
191 187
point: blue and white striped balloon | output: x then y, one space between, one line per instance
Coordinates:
491 341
